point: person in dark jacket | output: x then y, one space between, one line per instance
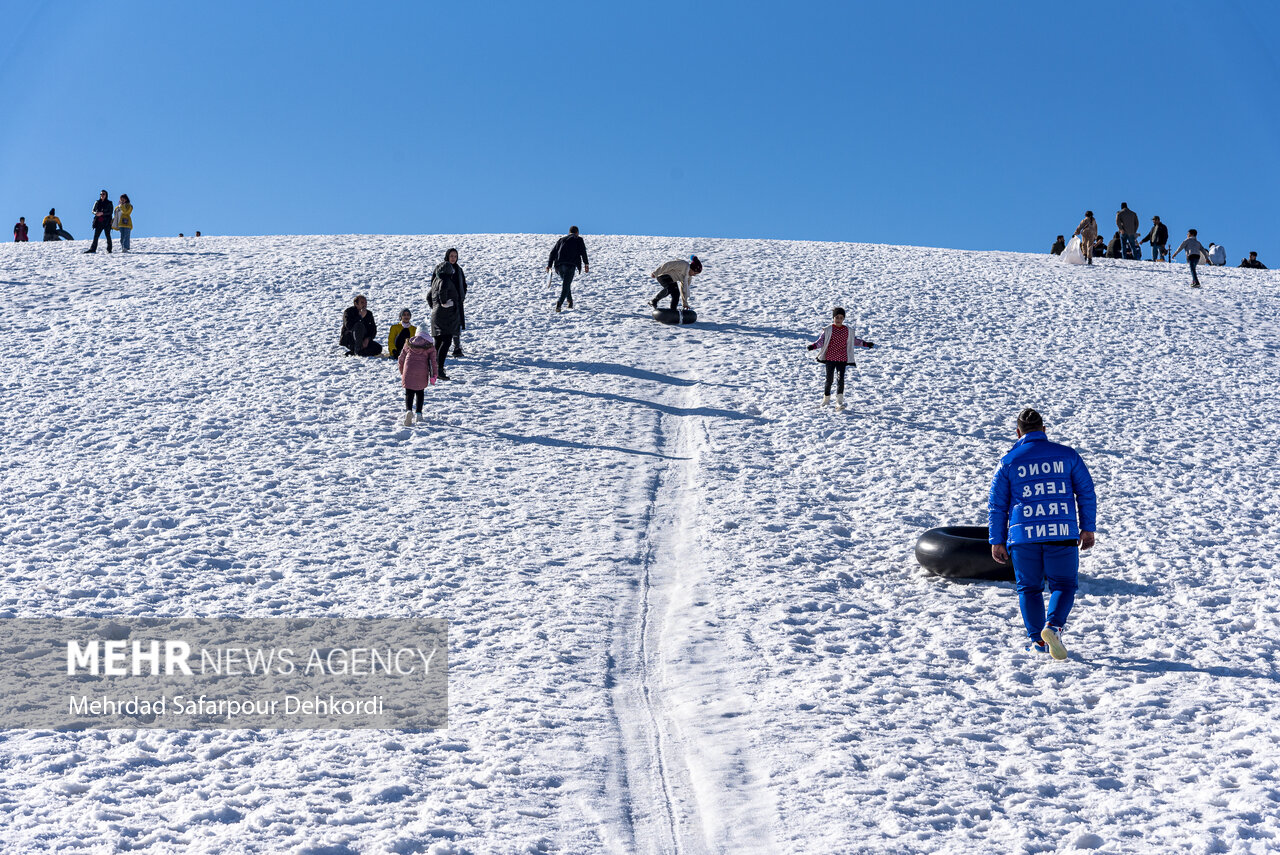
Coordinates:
1127 222
102 211
1253 262
20 230
1059 245
1041 512
448 290
359 330
1099 248
1113 248
568 256
1158 237
459 278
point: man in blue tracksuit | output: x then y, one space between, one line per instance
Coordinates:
1042 511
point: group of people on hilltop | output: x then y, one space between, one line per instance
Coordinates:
106 218
1126 245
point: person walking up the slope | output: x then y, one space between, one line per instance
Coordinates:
1088 231
1194 251
1041 512
1127 222
101 221
674 277
833 352
450 269
445 300
418 370
568 256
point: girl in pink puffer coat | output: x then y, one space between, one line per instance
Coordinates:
418 370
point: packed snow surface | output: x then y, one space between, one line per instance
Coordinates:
685 613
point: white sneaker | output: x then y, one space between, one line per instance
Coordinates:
826 401
1051 638
408 417
840 402
417 418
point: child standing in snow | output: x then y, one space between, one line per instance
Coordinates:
833 351
417 371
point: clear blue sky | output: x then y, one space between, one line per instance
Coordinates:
978 126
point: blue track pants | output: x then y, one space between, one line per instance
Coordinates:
1034 564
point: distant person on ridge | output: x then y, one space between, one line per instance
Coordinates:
1088 231
674 277
53 227
20 230
1040 509
1058 246
834 351
1216 256
1127 222
101 221
122 221
1194 251
359 330
448 286
1099 248
1253 262
1113 248
1158 237
568 256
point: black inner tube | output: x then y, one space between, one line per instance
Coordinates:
960 552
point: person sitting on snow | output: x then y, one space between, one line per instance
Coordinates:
1252 261
1059 245
359 331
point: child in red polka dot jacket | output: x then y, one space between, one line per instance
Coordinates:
833 351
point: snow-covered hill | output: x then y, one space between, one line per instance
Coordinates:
685 613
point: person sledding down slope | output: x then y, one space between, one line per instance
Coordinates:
674 277
833 351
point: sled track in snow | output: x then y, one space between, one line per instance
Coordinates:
657 815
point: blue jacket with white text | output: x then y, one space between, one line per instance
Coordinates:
1042 491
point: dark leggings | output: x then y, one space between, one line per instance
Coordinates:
669 287
835 369
98 230
442 347
566 272
1193 260
413 399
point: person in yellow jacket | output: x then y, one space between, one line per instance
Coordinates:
400 333
53 229
123 221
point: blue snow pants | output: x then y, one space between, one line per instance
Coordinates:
1034 564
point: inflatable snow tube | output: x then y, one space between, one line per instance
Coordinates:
673 316
960 552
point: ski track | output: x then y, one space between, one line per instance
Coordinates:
685 613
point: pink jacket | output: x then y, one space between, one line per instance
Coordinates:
418 364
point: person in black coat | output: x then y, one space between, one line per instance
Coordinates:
359 330
1059 245
1252 262
448 291
568 256
101 221
1099 248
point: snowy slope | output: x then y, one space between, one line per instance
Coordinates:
685 613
